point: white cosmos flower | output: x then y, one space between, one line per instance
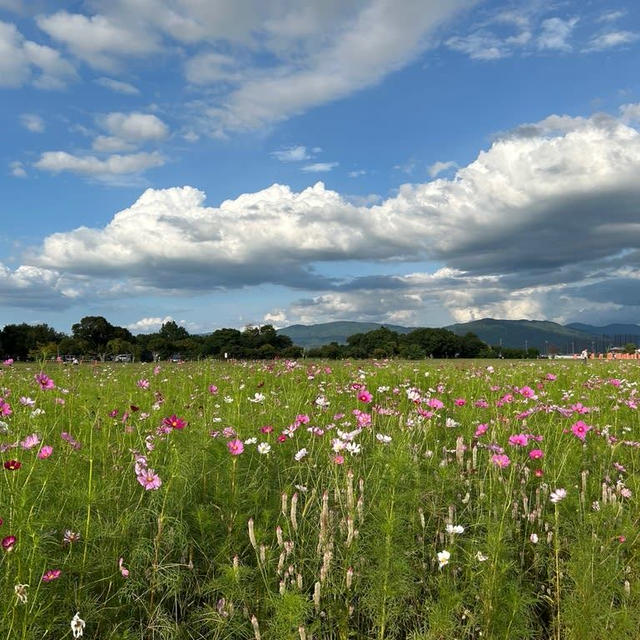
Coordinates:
251 440
381 437
77 625
301 454
257 397
264 448
558 495
457 528
443 558
353 448
480 557
534 538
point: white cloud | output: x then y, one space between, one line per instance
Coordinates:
356 173
110 144
98 40
277 318
292 154
135 126
149 325
611 16
320 167
57 161
32 122
556 33
211 67
118 86
23 61
440 167
612 39
525 221
630 112
17 169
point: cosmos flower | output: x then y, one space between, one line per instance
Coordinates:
51 574
536 454
580 429
500 460
443 558
149 479
12 465
21 592
558 495
236 447
174 422
77 625
8 542
264 448
453 529
44 381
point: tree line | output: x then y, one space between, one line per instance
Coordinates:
96 338
416 345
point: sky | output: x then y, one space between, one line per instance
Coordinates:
231 162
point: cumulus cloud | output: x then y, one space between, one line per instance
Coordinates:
440 167
135 126
98 40
17 169
37 288
23 62
113 165
548 213
148 325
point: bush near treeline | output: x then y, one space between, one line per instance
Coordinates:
94 337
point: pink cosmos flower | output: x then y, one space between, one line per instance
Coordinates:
481 430
5 408
213 389
45 452
500 460
8 362
236 447
536 454
149 479
551 376
460 402
123 570
338 459
30 441
580 429
434 403
44 381
143 383
26 401
51 574
266 429
364 396
519 440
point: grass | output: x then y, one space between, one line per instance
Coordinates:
335 532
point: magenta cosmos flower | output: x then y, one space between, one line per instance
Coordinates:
149 479
12 465
44 381
51 574
580 429
536 454
236 447
8 542
364 396
519 440
174 422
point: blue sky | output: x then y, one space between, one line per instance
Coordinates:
226 163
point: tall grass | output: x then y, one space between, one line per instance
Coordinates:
336 531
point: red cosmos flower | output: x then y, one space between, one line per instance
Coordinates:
51 574
174 422
8 543
12 465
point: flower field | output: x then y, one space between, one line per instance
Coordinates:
353 500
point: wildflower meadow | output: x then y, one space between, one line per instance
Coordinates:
295 500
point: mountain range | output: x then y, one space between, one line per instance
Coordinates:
543 335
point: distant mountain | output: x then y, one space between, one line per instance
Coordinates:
315 335
612 330
540 334
519 334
